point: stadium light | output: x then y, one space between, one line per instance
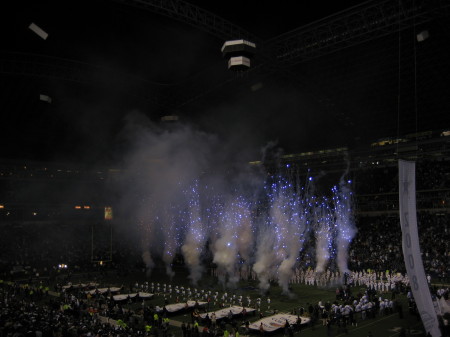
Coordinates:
38 30
238 53
45 98
423 35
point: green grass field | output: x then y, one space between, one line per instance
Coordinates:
385 326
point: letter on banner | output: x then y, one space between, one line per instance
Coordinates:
411 248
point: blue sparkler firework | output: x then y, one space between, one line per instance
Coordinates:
345 227
277 225
245 221
195 236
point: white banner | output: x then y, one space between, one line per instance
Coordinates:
411 248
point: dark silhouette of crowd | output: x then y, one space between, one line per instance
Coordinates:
378 178
29 311
378 244
39 250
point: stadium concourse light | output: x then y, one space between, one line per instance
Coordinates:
238 53
422 36
169 118
45 98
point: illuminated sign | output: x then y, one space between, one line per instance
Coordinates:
108 213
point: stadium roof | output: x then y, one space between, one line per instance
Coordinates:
323 76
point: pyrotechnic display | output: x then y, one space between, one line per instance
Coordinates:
194 168
244 221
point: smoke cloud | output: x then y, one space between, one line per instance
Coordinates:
188 196
345 226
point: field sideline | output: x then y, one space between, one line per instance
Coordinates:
301 296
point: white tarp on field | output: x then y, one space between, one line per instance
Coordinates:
180 306
103 290
235 310
122 297
276 322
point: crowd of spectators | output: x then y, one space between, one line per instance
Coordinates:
375 179
40 250
44 249
379 178
378 244
29 312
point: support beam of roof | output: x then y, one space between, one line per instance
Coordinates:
371 20
194 16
